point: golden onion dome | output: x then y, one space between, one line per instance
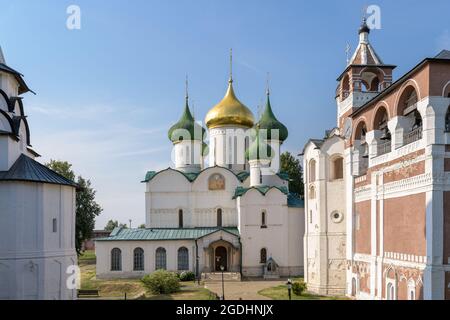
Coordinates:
229 111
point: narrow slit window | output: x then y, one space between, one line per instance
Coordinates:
263 219
219 217
263 255
180 219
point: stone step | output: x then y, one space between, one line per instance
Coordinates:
217 276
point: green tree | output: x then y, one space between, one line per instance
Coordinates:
111 225
293 167
63 168
161 282
87 210
86 206
114 224
142 226
299 287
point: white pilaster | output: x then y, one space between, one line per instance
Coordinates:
434 275
373 233
228 147
379 273
349 187
188 155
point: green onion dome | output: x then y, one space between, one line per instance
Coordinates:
205 149
269 122
259 150
177 131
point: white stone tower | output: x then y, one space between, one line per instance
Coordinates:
37 208
228 123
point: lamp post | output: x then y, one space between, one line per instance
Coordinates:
198 273
289 285
222 268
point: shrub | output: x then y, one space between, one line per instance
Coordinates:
187 276
161 282
298 288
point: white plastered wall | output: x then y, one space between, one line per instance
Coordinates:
170 191
325 236
281 238
33 258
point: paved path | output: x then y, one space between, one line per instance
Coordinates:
247 290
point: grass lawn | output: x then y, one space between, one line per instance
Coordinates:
116 288
189 291
88 257
281 293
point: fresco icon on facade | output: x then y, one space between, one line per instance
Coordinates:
216 182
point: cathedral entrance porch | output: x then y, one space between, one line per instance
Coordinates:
221 255
221 259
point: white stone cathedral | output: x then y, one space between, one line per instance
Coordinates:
235 215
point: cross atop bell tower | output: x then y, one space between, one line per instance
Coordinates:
365 76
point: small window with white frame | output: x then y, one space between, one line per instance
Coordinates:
391 293
337 168
312 193
116 259
354 288
312 170
55 225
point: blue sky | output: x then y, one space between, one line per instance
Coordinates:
107 94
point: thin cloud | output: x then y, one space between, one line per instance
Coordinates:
79 112
82 112
97 145
248 66
140 152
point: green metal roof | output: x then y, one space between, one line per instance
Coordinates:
240 191
192 176
243 175
122 234
283 176
294 201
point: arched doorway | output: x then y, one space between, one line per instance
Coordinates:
221 258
